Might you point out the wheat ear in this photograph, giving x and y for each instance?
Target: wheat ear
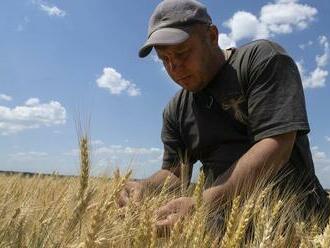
(231, 222)
(198, 192)
(326, 237)
(198, 197)
(239, 234)
(84, 165)
(300, 228)
(78, 212)
(266, 241)
(103, 209)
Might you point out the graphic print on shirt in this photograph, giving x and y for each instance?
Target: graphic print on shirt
(235, 106)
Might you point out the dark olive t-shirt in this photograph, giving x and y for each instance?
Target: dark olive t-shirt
(256, 94)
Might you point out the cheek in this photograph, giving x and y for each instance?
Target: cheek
(196, 69)
(192, 66)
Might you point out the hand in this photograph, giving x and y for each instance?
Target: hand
(133, 190)
(172, 212)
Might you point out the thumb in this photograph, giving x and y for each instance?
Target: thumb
(169, 221)
(137, 195)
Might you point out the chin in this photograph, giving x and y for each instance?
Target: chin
(191, 89)
(190, 86)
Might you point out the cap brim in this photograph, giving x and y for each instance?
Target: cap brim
(164, 36)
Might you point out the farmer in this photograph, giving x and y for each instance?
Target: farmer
(239, 111)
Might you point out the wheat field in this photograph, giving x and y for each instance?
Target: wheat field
(53, 211)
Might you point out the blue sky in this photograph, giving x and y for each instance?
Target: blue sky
(61, 61)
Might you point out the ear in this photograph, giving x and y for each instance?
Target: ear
(214, 35)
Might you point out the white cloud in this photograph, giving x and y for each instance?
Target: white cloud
(118, 149)
(323, 59)
(97, 142)
(28, 156)
(158, 61)
(321, 161)
(317, 154)
(245, 25)
(305, 45)
(32, 114)
(32, 102)
(133, 91)
(225, 41)
(142, 160)
(112, 150)
(317, 77)
(313, 79)
(52, 10)
(322, 165)
(281, 17)
(285, 16)
(5, 97)
(116, 84)
(327, 138)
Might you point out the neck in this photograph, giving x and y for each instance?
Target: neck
(218, 61)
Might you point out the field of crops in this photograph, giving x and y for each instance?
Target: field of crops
(82, 211)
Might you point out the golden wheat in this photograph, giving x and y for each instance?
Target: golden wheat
(45, 211)
(52, 217)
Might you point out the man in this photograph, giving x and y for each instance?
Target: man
(240, 110)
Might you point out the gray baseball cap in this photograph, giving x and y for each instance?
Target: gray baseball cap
(171, 23)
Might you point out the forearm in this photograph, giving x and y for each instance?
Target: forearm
(267, 157)
(157, 180)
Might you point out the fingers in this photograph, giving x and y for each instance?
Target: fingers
(166, 217)
(132, 191)
(123, 198)
(137, 196)
(169, 221)
(164, 226)
(164, 211)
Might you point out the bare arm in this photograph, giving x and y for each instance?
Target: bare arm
(158, 179)
(269, 153)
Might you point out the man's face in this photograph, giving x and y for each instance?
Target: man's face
(188, 63)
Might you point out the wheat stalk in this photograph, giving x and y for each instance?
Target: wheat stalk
(76, 217)
(231, 221)
(198, 192)
(44, 212)
(300, 228)
(326, 236)
(84, 165)
(239, 234)
(266, 241)
(175, 234)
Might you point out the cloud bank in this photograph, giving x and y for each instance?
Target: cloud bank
(33, 114)
(316, 78)
(280, 17)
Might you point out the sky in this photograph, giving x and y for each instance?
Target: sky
(65, 64)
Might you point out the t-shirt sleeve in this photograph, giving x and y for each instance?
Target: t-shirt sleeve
(276, 102)
(174, 148)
